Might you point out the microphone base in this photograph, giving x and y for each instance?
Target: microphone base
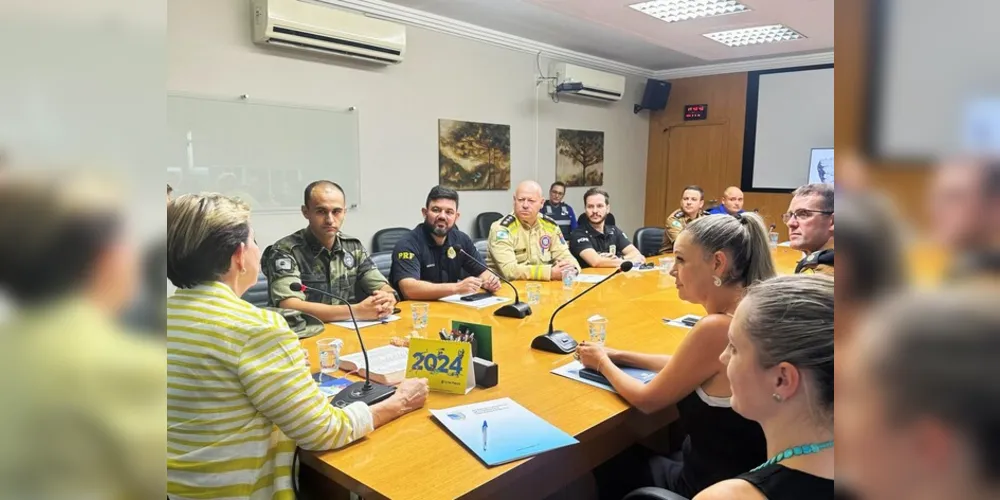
(556, 341)
(518, 310)
(356, 392)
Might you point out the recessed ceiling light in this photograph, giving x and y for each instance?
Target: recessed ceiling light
(683, 10)
(755, 36)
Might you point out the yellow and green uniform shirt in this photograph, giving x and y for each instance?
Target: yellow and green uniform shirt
(675, 224)
(519, 252)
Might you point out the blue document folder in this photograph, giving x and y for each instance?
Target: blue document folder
(500, 430)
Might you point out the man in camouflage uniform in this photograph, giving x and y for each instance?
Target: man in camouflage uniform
(323, 258)
(810, 227)
(526, 245)
(692, 201)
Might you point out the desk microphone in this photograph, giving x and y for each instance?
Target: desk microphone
(558, 341)
(366, 392)
(516, 310)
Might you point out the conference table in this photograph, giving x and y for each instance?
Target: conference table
(414, 457)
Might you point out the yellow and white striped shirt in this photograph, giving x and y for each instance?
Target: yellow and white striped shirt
(239, 398)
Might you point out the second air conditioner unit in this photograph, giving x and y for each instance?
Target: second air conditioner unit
(586, 82)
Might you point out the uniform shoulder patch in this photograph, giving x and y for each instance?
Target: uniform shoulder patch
(678, 214)
(507, 220)
(676, 223)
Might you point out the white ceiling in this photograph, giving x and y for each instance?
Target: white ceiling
(609, 29)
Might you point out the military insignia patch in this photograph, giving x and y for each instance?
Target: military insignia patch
(562, 239)
(451, 252)
(283, 264)
(545, 242)
(348, 260)
(676, 223)
(502, 234)
(612, 249)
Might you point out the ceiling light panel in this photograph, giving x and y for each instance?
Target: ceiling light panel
(756, 35)
(684, 10)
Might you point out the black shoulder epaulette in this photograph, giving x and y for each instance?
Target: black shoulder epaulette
(507, 220)
(824, 257)
(678, 214)
(705, 212)
(547, 218)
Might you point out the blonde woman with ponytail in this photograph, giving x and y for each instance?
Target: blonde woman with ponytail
(716, 258)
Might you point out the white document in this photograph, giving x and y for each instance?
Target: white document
(388, 363)
(479, 304)
(679, 322)
(589, 278)
(363, 324)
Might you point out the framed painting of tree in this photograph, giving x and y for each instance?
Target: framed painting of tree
(580, 157)
(473, 156)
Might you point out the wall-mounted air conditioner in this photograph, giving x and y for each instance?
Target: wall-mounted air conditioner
(587, 82)
(306, 26)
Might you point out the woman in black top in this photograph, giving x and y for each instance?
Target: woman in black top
(716, 258)
(780, 366)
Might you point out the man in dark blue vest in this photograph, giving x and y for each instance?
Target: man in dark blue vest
(558, 211)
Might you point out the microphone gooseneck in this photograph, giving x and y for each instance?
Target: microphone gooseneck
(624, 268)
(517, 299)
(299, 287)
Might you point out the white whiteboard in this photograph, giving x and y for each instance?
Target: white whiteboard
(264, 153)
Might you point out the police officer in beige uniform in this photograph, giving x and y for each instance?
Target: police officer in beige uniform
(810, 227)
(692, 201)
(323, 258)
(526, 245)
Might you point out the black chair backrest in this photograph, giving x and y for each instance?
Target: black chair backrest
(483, 223)
(258, 294)
(385, 239)
(383, 262)
(483, 248)
(648, 240)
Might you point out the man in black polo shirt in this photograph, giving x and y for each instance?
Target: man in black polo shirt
(428, 263)
(597, 244)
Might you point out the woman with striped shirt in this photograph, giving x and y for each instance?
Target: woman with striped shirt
(239, 396)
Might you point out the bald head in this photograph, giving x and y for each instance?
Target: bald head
(528, 202)
(732, 199)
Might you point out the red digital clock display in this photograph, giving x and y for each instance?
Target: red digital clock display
(695, 112)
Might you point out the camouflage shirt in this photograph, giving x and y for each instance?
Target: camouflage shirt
(301, 258)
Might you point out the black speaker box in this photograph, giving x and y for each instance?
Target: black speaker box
(655, 96)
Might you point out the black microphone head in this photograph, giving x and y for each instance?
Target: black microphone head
(296, 287)
(626, 266)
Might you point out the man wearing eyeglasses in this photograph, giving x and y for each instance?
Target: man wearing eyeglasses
(810, 227)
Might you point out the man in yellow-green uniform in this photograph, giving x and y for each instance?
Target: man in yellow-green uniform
(525, 245)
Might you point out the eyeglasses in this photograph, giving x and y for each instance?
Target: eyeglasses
(802, 215)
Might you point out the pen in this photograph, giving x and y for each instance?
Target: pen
(485, 428)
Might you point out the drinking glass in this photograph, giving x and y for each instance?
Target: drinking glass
(568, 277)
(666, 264)
(534, 292)
(329, 355)
(598, 327)
(419, 312)
(772, 239)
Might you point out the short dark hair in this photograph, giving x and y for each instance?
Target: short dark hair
(694, 187)
(558, 183)
(315, 184)
(592, 191)
(441, 193)
(824, 191)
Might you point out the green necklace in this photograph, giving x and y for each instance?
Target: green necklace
(806, 449)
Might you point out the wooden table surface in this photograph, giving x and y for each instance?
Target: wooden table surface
(416, 458)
